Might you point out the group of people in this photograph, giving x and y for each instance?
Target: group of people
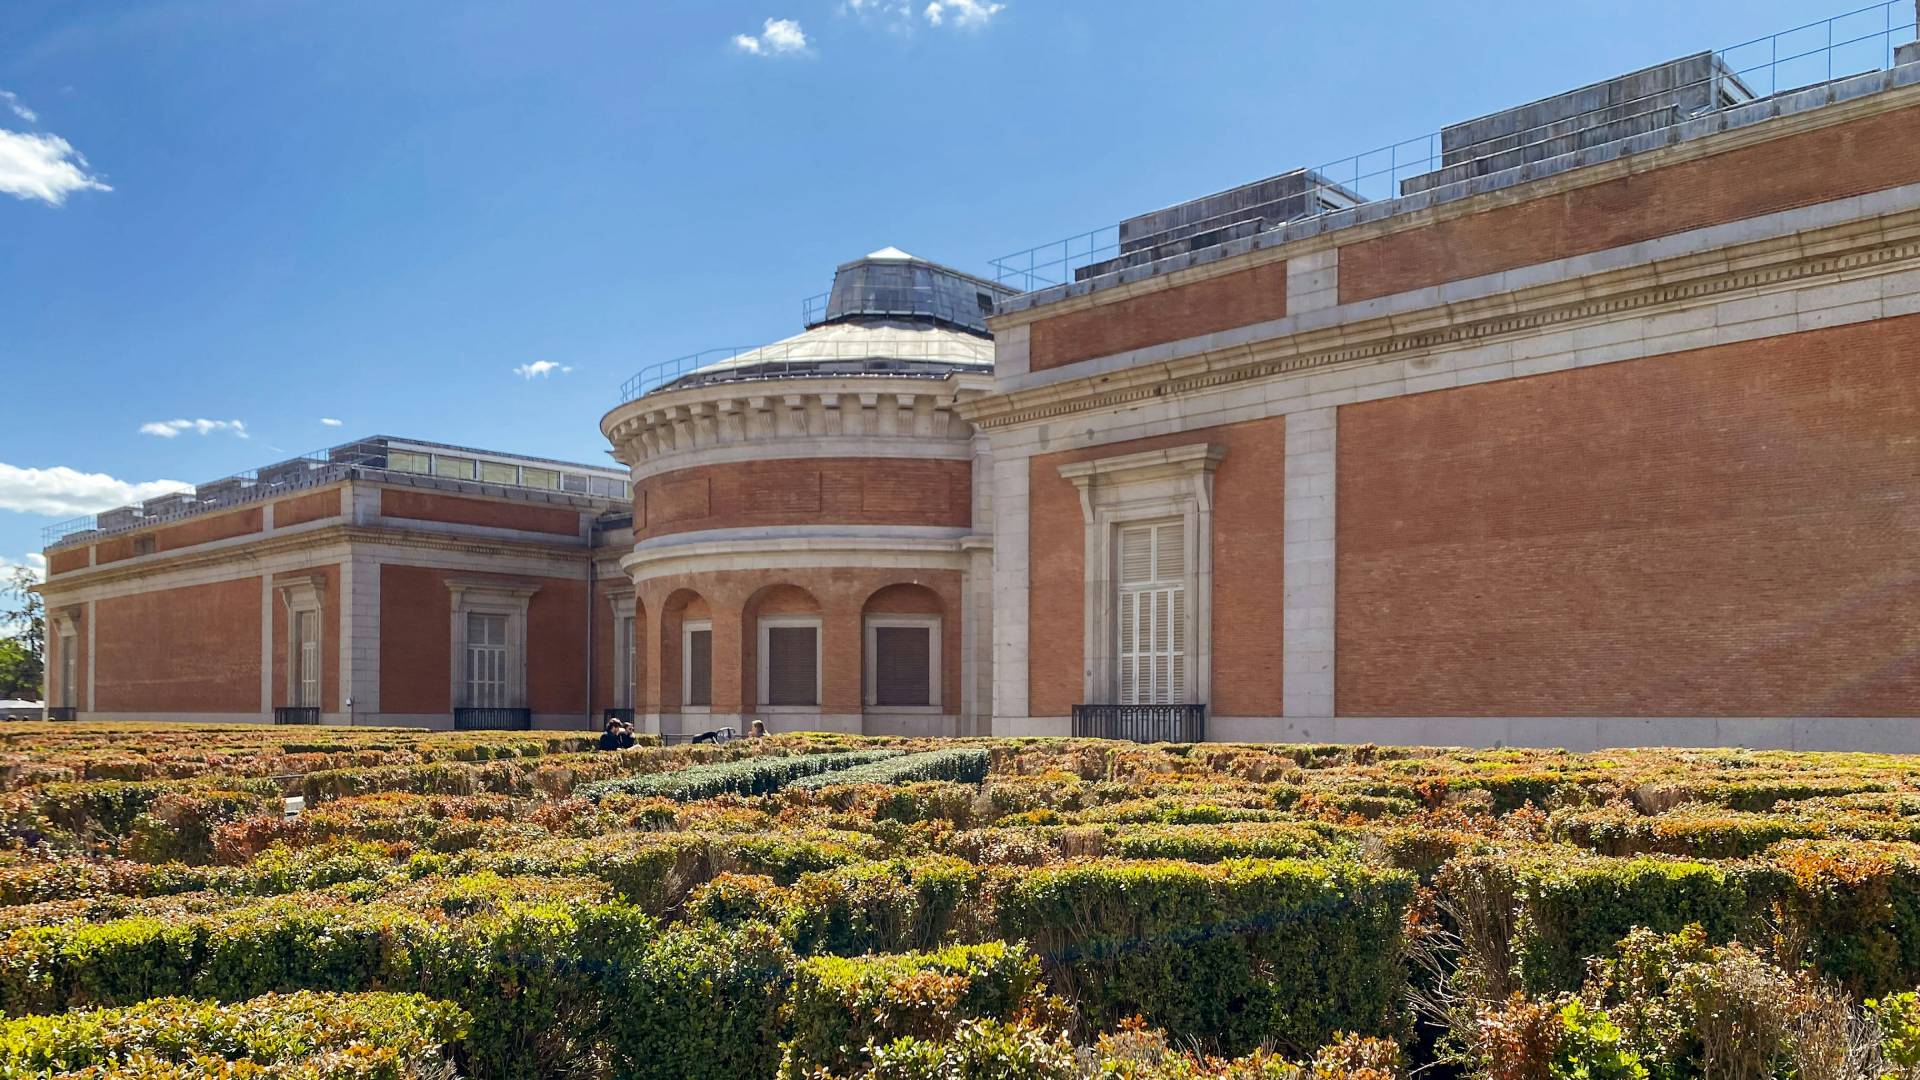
(619, 734)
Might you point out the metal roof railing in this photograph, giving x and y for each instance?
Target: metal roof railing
(1851, 43)
(805, 359)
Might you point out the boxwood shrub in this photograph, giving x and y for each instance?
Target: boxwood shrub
(746, 776)
(967, 765)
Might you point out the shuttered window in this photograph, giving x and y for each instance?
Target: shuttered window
(1152, 614)
(902, 665)
(699, 668)
(792, 665)
(306, 659)
(69, 670)
(487, 662)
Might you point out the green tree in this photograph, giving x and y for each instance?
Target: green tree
(23, 652)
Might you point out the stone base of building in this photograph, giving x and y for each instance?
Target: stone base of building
(1868, 734)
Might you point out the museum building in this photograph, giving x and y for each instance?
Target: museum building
(1598, 424)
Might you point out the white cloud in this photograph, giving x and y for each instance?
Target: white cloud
(962, 12)
(168, 429)
(329, 421)
(35, 565)
(44, 167)
(64, 492)
(17, 107)
(777, 36)
(541, 369)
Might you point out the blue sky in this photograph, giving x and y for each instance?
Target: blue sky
(253, 216)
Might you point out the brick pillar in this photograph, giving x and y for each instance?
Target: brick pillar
(1308, 644)
(733, 658)
(842, 689)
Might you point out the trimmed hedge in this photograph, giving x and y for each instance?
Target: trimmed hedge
(837, 1007)
(965, 765)
(746, 776)
(1237, 953)
(303, 1036)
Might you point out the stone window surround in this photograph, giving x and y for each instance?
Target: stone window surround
(625, 667)
(767, 623)
(870, 662)
(298, 596)
(489, 596)
(1155, 485)
(689, 627)
(66, 630)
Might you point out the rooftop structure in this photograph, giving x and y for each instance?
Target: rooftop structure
(1694, 96)
(889, 313)
(377, 454)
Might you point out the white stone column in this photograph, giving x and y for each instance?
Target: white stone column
(1310, 550)
(266, 646)
(360, 636)
(1313, 281)
(1010, 584)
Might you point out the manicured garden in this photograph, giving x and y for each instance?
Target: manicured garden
(517, 905)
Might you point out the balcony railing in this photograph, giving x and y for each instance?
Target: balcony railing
(62, 712)
(493, 719)
(296, 714)
(1141, 723)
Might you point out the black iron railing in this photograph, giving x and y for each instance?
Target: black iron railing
(296, 714)
(1141, 723)
(62, 712)
(493, 719)
(625, 716)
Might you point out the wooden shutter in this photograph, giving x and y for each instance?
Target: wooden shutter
(792, 662)
(699, 689)
(1151, 614)
(902, 665)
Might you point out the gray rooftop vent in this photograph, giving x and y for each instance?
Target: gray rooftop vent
(893, 284)
(163, 505)
(1619, 108)
(120, 517)
(1221, 217)
(231, 489)
(284, 473)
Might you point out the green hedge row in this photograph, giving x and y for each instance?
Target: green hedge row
(745, 776)
(1237, 953)
(965, 765)
(302, 1036)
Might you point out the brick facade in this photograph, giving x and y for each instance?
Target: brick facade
(817, 491)
(194, 649)
(1219, 303)
(486, 513)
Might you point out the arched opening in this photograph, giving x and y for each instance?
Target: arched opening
(903, 632)
(781, 640)
(686, 653)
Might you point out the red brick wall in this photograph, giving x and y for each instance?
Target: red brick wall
(814, 491)
(329, 634)
(1257, 294)
(191, 649)
(198, 530)
(452, 509)
(312, 506)
(62, 562)
(1723, 532)
(416, 641)
(1248, 493)
(1879, 151)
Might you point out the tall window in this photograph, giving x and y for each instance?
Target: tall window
(69, 670)
(903, 661)
(790, 661)
(1152, 610)
(696, 664)
(623, 661)
(305, 648)
(487, 661)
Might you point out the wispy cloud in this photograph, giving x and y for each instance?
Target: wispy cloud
(962, 12)
(44, 167)
(17, 107)
(541, 369)
(64, 492)
(168, 429)
(777, 37)
(328, 421)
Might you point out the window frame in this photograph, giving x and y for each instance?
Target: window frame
(489, 596)
(763, 658)
(870, 662)
(688, 628)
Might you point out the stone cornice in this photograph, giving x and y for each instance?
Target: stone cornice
(872, 408)
(271, 544)
(1269, 247)
(1857, 248)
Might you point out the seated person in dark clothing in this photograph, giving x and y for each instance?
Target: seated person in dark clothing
(626, 736)
(610, 738)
